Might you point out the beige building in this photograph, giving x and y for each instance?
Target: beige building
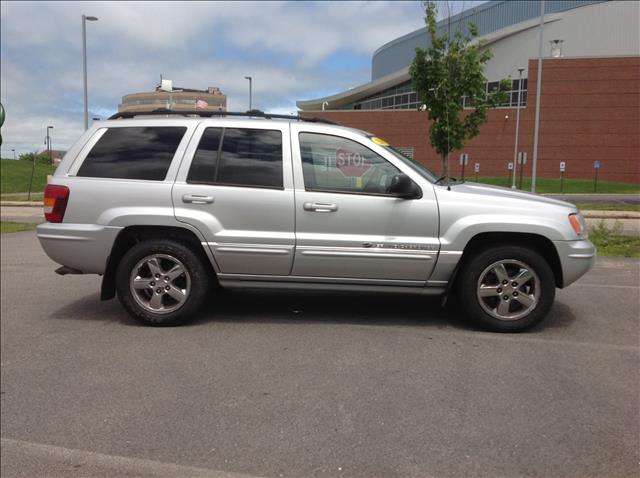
(178, 99)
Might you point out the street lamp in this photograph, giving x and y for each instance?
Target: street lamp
(515, 149)
(250, 93)
(85, 19)
(48, 142)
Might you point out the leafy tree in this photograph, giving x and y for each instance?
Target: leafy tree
(444, 74)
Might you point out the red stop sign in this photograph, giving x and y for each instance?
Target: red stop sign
(351, 163)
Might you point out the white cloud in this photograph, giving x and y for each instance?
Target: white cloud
(289, 49)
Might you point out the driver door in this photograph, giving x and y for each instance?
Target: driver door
(347, 225)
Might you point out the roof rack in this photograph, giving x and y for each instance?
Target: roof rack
(209, 114)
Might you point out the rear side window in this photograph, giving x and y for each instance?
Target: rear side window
(238, 157)
(133, 153)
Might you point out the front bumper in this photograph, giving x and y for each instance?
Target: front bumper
(576, 258)
(84, 247)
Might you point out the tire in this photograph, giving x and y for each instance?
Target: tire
(512, 307)
(162, 282)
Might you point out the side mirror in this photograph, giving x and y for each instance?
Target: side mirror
(403, 187)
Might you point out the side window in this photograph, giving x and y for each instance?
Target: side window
(203, 166)
(133, 153)
(246, 157)
(332, 163)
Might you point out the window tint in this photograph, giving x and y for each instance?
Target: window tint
(248, 157)
(331, 163)
(203, 166)
(133, 153)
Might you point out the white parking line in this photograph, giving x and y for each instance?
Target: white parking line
(104, 465)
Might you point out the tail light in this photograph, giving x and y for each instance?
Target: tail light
(55, 202)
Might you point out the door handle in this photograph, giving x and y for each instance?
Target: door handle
(197, 199)
(319, 207)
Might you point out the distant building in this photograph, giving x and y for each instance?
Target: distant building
(178, 99)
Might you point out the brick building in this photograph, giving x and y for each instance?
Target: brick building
(590, 100)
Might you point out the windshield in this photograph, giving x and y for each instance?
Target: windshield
(416, 166)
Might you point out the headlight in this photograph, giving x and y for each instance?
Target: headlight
(577, 223)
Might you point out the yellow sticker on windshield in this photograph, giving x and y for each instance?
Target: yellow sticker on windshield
(379, 141)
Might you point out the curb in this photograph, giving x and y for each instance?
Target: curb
(22, 203)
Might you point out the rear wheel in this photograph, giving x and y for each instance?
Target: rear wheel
(162, 282)
(507, 289)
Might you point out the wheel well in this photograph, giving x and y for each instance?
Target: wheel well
(130, 236)
(538, 243)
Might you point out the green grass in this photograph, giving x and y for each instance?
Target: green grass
(571, 186)
(6, 226)
(610, 242)
(14, 176)
(585, 206)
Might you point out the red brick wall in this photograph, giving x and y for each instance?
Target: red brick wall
(590, 110)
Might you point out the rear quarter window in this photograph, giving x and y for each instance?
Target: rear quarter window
(133, 153)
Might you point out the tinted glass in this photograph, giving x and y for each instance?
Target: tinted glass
(203, 166)
(133, 153)
(332, 163)
(251, 157)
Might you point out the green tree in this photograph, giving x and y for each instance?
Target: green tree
(446, 73)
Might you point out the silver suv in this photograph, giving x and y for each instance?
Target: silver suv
(169, 208)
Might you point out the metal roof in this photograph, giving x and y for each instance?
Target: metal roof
(488, 17)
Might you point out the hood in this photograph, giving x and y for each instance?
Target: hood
(498, 192)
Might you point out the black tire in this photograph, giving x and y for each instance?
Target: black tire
(481, 264)
(197, 274)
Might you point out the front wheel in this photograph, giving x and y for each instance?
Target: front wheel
(507, 289)
(162, 282)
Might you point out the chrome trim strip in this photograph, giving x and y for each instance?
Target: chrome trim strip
(252, 250)
(371, 255)
(57, 237)
(582, 256)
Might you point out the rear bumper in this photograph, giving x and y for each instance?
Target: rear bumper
(84, 247)
(576, 258)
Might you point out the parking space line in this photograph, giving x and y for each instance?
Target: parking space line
(13, 450)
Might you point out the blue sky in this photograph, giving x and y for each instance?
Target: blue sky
(293, 50)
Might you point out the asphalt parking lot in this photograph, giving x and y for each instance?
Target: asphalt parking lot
(281, 384)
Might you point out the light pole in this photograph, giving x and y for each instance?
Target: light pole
(536, 128)
(250, 92)
(515, 149)
(48, 140)
(85, 19)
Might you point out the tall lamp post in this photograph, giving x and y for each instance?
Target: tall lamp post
(536, 127)
(85, 19)
(515, 149)
(250, 92)
(48, 143)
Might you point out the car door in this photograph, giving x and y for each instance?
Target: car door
(347, 225)
(235, 186)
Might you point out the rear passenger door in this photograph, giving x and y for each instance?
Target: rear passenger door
(235, 186)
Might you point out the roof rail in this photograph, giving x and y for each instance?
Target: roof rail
(209, 114)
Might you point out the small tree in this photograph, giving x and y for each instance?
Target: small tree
(446, 73)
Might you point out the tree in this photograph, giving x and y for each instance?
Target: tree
(447, 75)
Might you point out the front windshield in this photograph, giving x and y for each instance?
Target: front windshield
(421, 169)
